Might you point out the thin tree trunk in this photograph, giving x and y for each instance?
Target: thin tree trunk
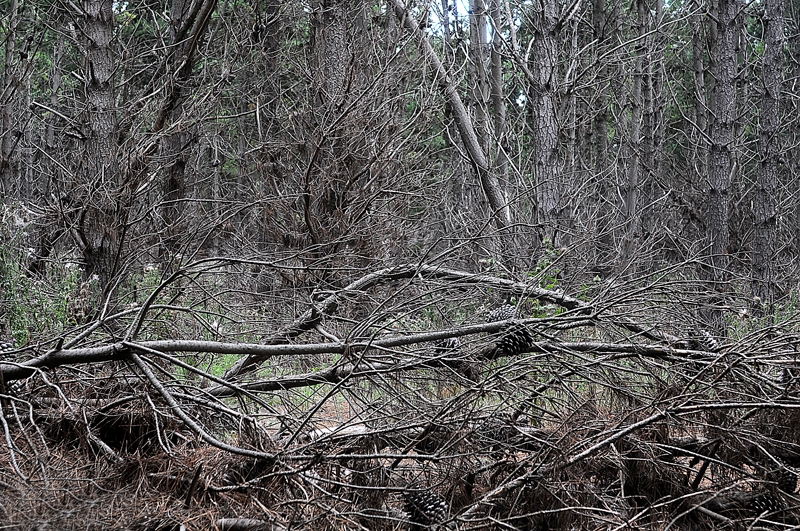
(769, 147)
(652, 120)
(497, 94)
(459, 171)
(52, 230)
(600, 148)
(572, 106)
(600, 125)
(480, 81)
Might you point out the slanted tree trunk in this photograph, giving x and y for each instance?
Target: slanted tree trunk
(769, 148)
(489, 182)
(720, 167)
(188, 23)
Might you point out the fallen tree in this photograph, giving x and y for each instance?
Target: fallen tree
(570, 413)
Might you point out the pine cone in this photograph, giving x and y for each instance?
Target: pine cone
(751, 503)
(787, 376)
(447, 345)
(702, 339)
(5, 351)
(516, 339)
(502, 313)
(785, 477)
(425, 509)
(765, 502)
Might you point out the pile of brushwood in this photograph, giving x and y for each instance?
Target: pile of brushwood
(394, 403)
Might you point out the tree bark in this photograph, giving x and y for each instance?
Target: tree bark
(101, 225)
(544, 125)
(174, 182)
(11, 85)
(769, 147)
(480, 79)
(605, 219)
(325, 185)
(699, 128)
(498, 95)
(720, 167)
(652, 119)
(329, 34)
(188, 22)
(459, 171)
(600, 124)
(631, 218)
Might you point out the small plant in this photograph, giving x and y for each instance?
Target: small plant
(546, 269)
(42, 305)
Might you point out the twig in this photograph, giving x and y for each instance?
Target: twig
(188, 421)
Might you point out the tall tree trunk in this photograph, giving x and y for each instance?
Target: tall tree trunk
(8, 100)
(720, 167)
(101, 222)
(174, 180)
(460, 172)
(325, 183)
(188, 23)
(600, 124)
(769, 147)
(480, 79)
(652, 119)
(599, 149)
(52, 229)
(700, 112)
(329, 34)
(497, 94)
(631, 218)
(544, 125)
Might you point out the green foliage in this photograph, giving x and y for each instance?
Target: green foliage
(42, 305)
(547, 270)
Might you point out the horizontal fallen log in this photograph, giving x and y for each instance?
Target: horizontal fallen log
(121, 351)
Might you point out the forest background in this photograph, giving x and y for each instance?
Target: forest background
(261, 236)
